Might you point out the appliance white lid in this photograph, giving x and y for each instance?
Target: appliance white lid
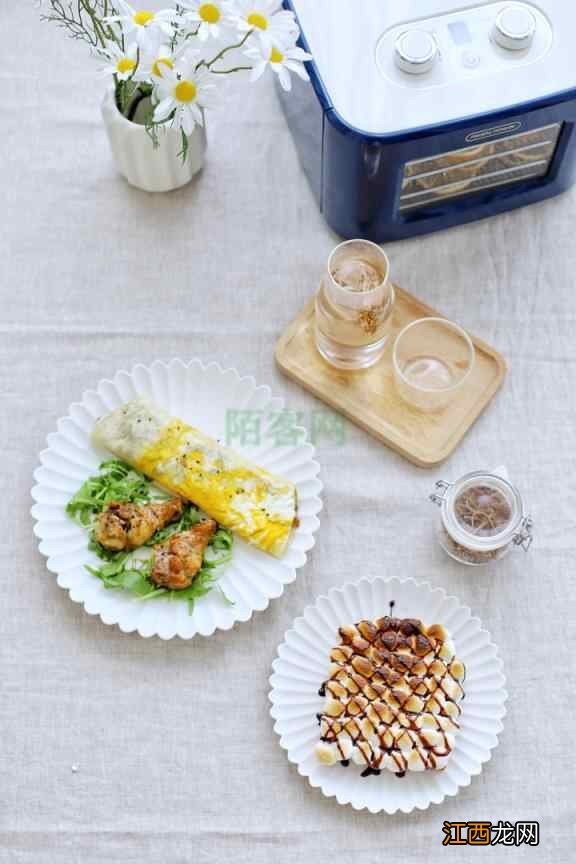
(355, 49)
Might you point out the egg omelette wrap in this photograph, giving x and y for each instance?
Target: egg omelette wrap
(257, 505)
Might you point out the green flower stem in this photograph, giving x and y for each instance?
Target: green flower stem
(83, 7)
(83, 20)
(224, 51)
(138, 98)
(97, 24)
(129, 94)
(231, 71)
(64, 19)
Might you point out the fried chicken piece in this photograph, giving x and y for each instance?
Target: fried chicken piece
(177, 561)
(123, 527)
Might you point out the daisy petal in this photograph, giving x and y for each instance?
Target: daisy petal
(162, 111)
(298, 69)
(187, 122)
(257, 71)
(284, 77)
(197, 114)
(300, 54)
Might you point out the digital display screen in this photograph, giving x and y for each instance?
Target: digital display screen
(460, 32)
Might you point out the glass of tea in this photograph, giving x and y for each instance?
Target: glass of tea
(433, 359)
(353, 306)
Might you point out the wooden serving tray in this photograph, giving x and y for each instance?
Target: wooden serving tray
(369, 398)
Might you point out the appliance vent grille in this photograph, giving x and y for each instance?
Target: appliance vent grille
(484, 166)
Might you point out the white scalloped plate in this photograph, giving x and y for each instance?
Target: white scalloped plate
(200, 394)
(302, 665)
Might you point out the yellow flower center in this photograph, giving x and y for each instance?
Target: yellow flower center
(142, 19)
(125, 64)
(210, 13)
(276, 56)
(161, 61)
(255, 19)
(185, 91)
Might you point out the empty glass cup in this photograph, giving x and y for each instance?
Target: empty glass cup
(432, 359)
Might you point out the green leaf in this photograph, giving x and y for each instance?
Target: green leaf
(129, 571)
(116, 481)
(191, 516)
(224, 596)
(183, 152)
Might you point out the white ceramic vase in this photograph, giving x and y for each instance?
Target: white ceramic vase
(152, 169)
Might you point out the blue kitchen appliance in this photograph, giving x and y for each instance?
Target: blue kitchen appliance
(425, 114)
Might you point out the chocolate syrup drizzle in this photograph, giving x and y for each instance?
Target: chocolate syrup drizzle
(368, 656)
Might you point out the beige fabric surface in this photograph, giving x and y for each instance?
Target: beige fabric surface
(175, 753)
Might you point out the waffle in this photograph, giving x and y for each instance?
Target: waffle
(392, 697)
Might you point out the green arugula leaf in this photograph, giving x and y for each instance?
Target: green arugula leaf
(133, 575)
(116, 481)
(128, 571)
(191, 516)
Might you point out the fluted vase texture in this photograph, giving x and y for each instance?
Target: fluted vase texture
(159, 169)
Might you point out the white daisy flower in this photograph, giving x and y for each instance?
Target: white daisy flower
(186, 92)
(282, 61)
(120, 63)
(208, 18)
(148, 28)
(264, 18)
(153, 66)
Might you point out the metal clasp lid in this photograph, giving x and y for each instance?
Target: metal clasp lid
(442, 488)
(524, 537)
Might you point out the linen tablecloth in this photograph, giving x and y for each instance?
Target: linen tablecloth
(115, 748)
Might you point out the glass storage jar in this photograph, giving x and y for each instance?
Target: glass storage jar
(482, 518)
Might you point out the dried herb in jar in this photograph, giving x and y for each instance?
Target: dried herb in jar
(482, 510)
(469, 556)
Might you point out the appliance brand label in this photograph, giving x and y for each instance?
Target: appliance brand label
(483, 134)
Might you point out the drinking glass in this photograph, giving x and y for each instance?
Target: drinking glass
(433, 359)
